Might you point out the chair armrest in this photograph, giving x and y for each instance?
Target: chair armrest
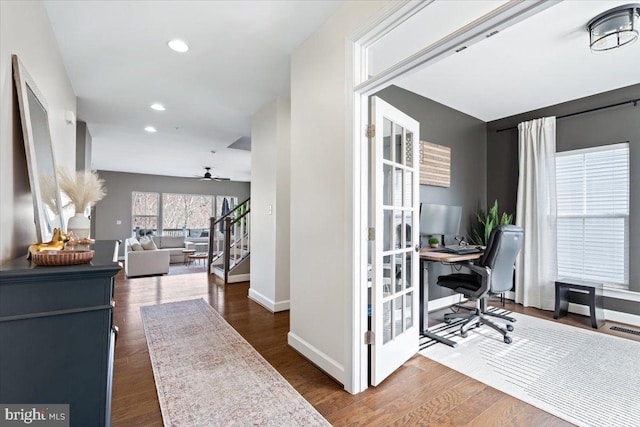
(485, 273)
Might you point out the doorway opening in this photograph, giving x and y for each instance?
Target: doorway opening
(367, 308)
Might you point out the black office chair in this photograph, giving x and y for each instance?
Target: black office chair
(492, 275)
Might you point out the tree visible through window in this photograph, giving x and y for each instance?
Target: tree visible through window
(144, 211)
(190, 211)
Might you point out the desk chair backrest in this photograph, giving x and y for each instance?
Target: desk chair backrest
(500, 255)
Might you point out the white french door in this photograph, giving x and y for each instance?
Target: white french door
(395, 205)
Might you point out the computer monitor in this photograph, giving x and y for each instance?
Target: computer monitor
(440, 219)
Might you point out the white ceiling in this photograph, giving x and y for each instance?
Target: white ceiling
(541, 61)
(118, 63)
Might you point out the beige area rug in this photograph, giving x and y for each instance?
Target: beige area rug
(207, 375)
(584, 377)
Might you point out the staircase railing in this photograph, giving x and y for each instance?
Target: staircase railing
(235, 244)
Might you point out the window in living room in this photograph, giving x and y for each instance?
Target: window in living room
(186, 211)
(593, 214)
(144, 213)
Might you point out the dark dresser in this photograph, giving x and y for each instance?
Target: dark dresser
(57, 336)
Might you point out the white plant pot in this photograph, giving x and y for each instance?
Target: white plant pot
(80, 225)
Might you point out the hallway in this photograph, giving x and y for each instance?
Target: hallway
(420, 392)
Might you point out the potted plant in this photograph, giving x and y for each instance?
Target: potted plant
(487, 222)
(434, 242)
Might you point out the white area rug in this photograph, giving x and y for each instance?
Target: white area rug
(207, 375)
(584, 377)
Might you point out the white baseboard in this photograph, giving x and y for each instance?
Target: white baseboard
(237, 278)
(320, 359)
(233, 278)
(267, 303)
(614, 316)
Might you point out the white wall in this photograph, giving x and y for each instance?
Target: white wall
(321, 270)
(25, 30)
(270, 140)
(283, 204)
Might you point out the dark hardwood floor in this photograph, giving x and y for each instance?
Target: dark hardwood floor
(421, 392)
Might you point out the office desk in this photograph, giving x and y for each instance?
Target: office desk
(428, 255)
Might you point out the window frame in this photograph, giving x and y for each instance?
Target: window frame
(585, 215)
(211, 197)
(133, 215)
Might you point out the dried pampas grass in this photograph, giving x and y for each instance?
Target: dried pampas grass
(84, 188)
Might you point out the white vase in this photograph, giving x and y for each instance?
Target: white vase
(80, 225)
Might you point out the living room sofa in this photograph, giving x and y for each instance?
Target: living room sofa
(144, 262)
(174, 245)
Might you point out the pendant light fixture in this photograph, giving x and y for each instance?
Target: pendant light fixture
(614, 28)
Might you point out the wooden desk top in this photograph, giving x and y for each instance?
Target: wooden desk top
(429, 255)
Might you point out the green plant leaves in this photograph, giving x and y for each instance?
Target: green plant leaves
(481, 231)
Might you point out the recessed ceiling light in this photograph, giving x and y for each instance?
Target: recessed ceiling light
(157, 107)
(178, 45)
(150, 129)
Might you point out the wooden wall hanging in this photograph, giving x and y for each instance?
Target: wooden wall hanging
(435, 164)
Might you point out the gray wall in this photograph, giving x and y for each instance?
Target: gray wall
(83, 147)
(116, 206)
(466, 136)
(593, 129)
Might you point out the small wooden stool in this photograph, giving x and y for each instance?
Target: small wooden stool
(594, 291)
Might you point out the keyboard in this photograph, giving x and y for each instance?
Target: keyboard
(459, 251)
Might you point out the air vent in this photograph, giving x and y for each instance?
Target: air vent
(460, 49)
(492, 33)
(626, 330)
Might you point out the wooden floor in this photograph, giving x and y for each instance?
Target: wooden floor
(421, 392)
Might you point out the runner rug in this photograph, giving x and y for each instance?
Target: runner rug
(584, 377)
(206, 374)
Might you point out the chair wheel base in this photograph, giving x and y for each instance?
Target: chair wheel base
(508, 340)
(463, 334)
(509, 328)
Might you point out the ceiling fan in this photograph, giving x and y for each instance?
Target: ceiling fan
(208, 177)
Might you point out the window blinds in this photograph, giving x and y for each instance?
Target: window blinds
(592, 188)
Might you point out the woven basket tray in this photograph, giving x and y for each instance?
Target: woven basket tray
(61, 257)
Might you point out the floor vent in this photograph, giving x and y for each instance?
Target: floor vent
(629, 331)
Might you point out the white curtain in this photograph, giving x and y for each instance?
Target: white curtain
(536, 267)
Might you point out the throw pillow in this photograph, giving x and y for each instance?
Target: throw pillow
(148, 245)
(135, 245)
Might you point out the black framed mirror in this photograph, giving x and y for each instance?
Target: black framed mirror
(47, 200)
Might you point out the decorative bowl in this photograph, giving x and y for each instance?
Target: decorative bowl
(65, 257)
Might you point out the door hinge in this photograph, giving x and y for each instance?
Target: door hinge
(371, 131)
(369, 338)
(371, 234)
